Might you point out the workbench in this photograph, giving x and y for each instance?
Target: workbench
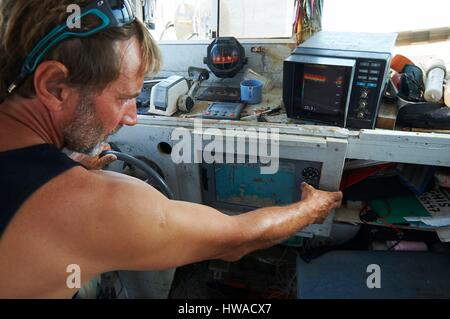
(330, 145)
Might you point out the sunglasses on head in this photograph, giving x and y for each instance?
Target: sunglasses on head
(110, 13)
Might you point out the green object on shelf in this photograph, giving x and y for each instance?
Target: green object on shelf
(394, 209)
(294, 241)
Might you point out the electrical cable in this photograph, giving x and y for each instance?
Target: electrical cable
(366, 216)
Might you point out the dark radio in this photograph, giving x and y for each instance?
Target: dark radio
(338, 79)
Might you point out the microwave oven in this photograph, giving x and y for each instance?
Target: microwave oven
(338, 78)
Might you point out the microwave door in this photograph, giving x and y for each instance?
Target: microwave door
(349, 91)
(325, 85)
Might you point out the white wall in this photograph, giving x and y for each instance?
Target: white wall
(178, 57)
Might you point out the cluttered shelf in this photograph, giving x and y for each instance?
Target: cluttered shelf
(388, 109)
(270, 110)
(398, 144)
(396, 195)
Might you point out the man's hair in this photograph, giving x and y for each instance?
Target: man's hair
(93, 62)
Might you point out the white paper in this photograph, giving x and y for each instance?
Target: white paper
(438, 206)
(431, 221)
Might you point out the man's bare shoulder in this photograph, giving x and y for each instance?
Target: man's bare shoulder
(97, 190)
(105, 209)
(79, 201)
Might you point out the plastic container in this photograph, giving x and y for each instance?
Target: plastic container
(398, 63)
(434, 84)
(251, 91)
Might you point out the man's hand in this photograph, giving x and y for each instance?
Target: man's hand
(319, 203)
(94, 162)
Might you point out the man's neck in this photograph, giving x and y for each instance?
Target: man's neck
(26, 122)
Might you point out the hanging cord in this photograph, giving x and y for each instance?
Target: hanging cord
(367, 216)
(308, 18)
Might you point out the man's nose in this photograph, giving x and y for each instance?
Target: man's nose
(130, 115)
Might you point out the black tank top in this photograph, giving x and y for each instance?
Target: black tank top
(25, 170)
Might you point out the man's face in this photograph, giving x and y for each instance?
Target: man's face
(99, 115)
(86, 132)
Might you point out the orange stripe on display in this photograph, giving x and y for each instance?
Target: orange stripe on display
(315, 77)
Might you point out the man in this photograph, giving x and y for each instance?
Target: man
(61, 91)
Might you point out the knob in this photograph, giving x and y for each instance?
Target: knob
(360, 115)
(362, 104)
(364, 94)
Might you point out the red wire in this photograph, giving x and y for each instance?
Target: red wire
(398, 231)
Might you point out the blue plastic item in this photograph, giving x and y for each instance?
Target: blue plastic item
(251, 91)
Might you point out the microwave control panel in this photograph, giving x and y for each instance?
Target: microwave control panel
(368, 84)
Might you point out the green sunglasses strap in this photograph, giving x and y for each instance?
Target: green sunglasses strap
(55, 36)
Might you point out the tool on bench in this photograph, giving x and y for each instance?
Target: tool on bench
(259, 113)
(196, 76)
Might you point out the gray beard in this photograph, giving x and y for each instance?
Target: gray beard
(85, 134)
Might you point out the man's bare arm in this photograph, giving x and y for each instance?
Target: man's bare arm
(272, 225)
(143, 230)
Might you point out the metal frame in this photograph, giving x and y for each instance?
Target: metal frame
(402, 147)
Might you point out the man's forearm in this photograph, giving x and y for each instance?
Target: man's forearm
(266, 227)
(219, 236)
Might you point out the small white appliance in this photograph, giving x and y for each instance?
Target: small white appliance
(165, 94)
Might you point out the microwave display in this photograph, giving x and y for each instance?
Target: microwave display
(322, 89)
(338, 78)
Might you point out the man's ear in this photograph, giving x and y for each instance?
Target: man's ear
(50, 84)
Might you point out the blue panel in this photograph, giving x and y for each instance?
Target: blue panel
(245, 185)
(363, 84)
(343, 274)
